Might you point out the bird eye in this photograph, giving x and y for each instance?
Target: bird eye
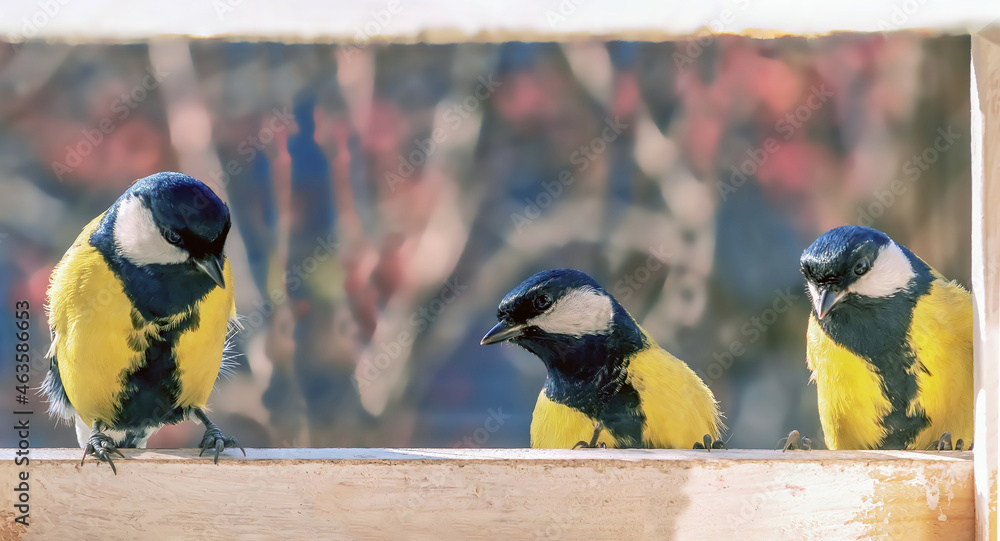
(543, 301)
(862, 267)
(172, 237)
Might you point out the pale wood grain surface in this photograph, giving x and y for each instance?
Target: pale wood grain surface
(408, 21)
(985, 98)
(497, 494)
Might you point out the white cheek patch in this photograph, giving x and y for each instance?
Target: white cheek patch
(139, 240)
(577, 313)
(891, 272)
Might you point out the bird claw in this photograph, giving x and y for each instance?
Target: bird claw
(944, 444)
(586, 445)
(794, 441)
(707, 443)
(215, 440)
(593, 443)
(102, 447)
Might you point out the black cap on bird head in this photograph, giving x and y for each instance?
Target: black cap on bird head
(172, 219)
(854, 261)
(557, 314)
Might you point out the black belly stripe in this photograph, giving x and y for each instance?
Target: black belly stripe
(151, 389)
(133, 438)
(900, 387)
(616, 406)
(623, 416)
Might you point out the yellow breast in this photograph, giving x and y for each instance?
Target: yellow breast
(851, 401)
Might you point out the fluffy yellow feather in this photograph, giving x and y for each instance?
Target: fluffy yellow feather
(849, 390)
(941, 337)
(678, 406)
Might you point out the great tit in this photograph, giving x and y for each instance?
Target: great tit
(889, 345)
(140, 308)
(608, 381)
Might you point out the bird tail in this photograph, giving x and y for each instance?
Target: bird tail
(52, 389)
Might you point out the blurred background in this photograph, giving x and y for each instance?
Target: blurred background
(385, 198)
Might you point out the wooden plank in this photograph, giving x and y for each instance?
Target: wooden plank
(408, 21)
(496, 494)
(985, 98)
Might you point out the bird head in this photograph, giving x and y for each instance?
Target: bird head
(563, 316)
(854, 262)
(172, 219)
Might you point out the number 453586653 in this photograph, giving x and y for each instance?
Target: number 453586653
(21, 357)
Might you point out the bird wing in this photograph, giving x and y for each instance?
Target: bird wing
(90, 319)
(678, 406)
(941, 337)
(199, 352)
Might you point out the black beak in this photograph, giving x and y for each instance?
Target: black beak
(828, 298)
(212, 266)
(502, 331)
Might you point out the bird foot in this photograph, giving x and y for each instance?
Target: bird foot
(593, 443)
(944, 444)
(707, 443)
(213, 439)
(794, 441)
(102, 447)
